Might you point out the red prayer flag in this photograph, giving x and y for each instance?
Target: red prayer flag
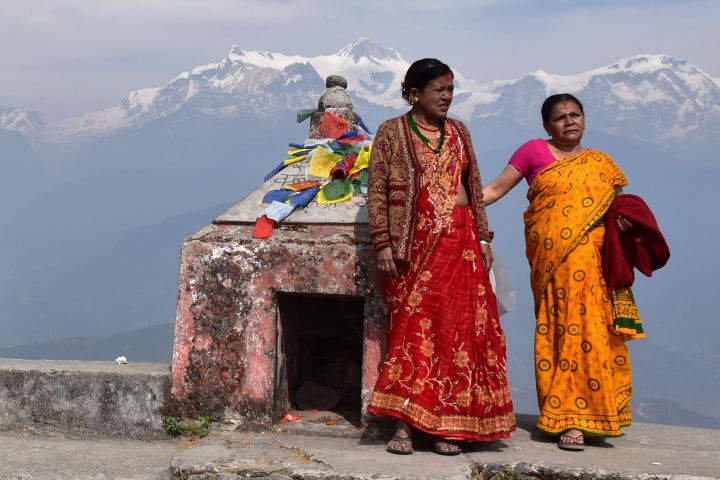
(263, 227)
(333, 126)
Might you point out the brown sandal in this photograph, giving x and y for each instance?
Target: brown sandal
(405, 446)
(443, 447)
(572, 442)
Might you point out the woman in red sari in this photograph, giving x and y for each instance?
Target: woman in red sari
(445, 372)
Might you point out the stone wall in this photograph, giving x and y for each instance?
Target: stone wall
(83, 397)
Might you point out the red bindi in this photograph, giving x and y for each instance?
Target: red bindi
(565, 103)
(448, 77)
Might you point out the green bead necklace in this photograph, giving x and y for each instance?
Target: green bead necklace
(415, 129)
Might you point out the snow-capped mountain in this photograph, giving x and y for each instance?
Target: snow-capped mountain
(21, 120)
(650, 97)
(229, 88)
(255, 83)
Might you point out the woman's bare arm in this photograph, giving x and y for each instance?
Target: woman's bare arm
(505, 182)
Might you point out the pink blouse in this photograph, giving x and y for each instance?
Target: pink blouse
(532, 158)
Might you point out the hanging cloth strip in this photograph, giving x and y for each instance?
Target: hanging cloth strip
(316, 142)
(343, 168)
(363, 160)
(280, 195)
(333, 126)
(263, 227)
(350, 160)
(352, 136)
(349, 134)
(362, 125)
(344, 154)
(284, 164)
(336, 191)
(304, 198)
(305, 113)
(302, 185)
(279, 211)
(360, 181)
(343, 149)
(322, 162)
(298, 152)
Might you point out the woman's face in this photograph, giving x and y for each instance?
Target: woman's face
(435, 98)
(566, 124)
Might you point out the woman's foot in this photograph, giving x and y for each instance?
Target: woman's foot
(401, 442)
(572, 440)
(444, 447)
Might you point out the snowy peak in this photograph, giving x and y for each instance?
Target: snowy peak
(633, 66)
(373, 71)
(365, 48)
(650, 97)
(298, 77)
(648, 63)
(251, 82)
(21, 120)
(276, 61)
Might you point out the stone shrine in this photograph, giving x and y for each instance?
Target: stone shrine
(262, 322)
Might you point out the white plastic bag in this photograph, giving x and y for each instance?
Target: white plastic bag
(501, 286)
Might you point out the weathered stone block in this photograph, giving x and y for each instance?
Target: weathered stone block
(227, 357)
(83, 397)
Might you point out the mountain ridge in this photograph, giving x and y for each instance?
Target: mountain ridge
(19, 119)
(680, 101)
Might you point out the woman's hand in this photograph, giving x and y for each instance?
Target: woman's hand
(623, 224)
(487, 256)
(386, 262)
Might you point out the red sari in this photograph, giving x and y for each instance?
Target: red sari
(445, 371)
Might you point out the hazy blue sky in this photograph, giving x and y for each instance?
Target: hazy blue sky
(66, 57)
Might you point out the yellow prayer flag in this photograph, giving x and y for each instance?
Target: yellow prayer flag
(293, 151)
(292, 160)
(363, 160)
(322, 162)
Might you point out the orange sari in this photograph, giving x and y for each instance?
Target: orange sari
(445, 371)
(582, 370)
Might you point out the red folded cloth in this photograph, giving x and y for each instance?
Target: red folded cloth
(642, 247)
(263, 227)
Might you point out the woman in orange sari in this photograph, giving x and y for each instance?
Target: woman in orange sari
(445, 372)
(582, 367)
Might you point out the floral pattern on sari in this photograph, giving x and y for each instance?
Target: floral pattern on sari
(445, 370)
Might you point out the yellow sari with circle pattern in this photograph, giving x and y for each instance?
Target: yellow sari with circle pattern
(582, 370)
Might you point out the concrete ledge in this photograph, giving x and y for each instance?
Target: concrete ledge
(649, 452)
(83, 397)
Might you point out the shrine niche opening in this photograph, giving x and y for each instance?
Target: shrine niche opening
(320, 353)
